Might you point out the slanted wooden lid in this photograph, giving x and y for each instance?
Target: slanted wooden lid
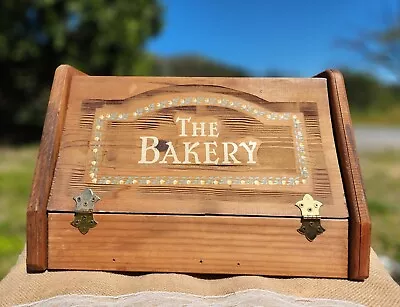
(224, 146)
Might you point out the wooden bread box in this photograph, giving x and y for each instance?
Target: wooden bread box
(199, 175)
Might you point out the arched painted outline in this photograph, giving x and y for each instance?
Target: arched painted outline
(248, 108)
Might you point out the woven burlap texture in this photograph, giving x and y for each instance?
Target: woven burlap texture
(18, 287)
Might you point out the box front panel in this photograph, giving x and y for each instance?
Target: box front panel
(198, 244)
(198, 146)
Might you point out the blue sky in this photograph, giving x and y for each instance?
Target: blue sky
(296, 37)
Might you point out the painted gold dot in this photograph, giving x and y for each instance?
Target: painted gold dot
(231, 103)
(294, 116)
(134, 181)
(120, 116)
(188, 182)
(101, 116)
(194, 100)
(202, 182)
(108, 181)
(170, 103)
(270, 182)
(97, 139)
(94, 180)
(146, 108)
(215, 182)
(98, 127)
(283, 182)
(162, 181)
(91, 175)
(95, 150)
(175, 182)
(121, 181)
(158, 104)
(93, 162)
(255, 111)
(108, 115)
(304, 181)
(229, 182)
(219, 101)
(242, 181)
(148, 181)
(134, 114)
(256, 182)
(206, 100)
(296, 182)
(243, 106)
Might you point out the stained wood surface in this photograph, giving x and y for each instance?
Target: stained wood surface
(360, 224)
(49, 147)
(233, 245)
(118, 146)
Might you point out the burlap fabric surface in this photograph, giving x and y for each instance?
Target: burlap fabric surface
(18, 287)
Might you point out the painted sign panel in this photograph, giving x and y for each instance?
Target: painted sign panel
(170, 142)
(214, 146)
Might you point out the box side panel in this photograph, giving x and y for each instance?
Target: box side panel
(198, 244)
(49, 146)
(359, 224)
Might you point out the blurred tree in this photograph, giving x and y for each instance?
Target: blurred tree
(381, 46)
(96, 36)
(195, 66)
(362, 89)
(276, 73)
(366, 93)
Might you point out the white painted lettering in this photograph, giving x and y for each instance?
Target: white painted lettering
(188, 150)
(214, 129)
(231, 154)
(183, 124)
(170, 153)
(146, 148)
(201, 129)
(249, 150)
(210, 152)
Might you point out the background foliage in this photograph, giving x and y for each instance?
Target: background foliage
(99, 37)
(380, 46)
(107, 37)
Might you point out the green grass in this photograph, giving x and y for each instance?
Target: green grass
(377, 117)
(16, 171)
(381, 172)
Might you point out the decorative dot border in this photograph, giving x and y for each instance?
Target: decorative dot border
(253, 111)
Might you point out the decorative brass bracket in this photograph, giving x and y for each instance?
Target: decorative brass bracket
(83, 219)
(310, 218)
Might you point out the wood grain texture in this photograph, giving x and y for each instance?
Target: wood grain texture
(229, 245)
(36, 260)
(249, 228)
(94, 96)
(360, 224)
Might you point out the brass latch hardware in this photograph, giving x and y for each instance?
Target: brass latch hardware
(83, 219)
(310, 217)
